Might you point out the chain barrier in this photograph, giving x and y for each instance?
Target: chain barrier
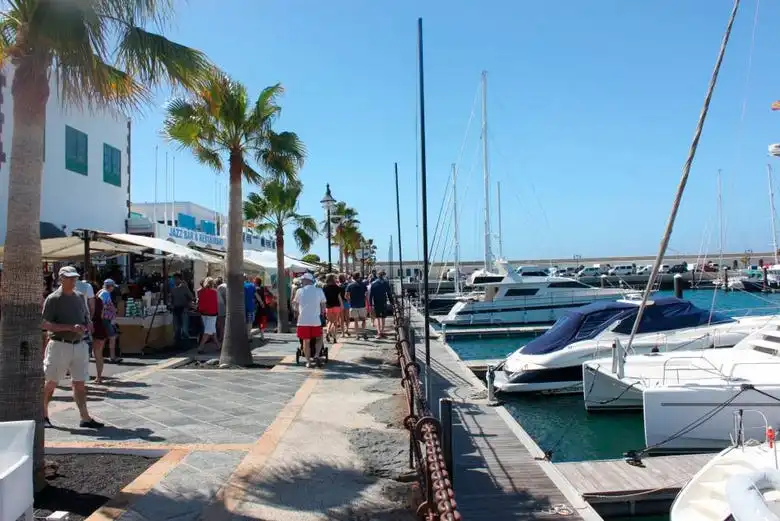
(425, 447)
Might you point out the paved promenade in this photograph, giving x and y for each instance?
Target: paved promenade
(286, 443)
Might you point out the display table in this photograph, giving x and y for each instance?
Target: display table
(134, 332)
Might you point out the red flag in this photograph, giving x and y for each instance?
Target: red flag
(776, 105)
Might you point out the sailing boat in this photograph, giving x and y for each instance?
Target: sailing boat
(443, 303)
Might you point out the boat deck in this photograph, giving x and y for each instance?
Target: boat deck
(498, 469)
(492, 332)
(616, 488)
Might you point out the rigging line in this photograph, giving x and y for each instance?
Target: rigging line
(468, 125)
(444, 200)
(530, 181)
(746, 90)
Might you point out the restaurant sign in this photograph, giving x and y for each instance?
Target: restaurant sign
(199, 238)
(206, 240)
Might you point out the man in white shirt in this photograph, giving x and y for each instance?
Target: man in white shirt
(309, 303)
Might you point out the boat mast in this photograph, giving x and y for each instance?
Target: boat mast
(455, 223)
(685, 173)
(721, 231)
(486, 172)
(772, 210)
(500, 240)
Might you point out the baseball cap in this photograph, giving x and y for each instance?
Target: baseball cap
(109, 282)
(68, 272)
(307, 276)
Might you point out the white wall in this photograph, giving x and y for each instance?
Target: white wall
(69, 198)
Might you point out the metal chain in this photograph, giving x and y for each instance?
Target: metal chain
(424, 431)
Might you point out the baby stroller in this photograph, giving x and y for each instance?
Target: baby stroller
(323, 351)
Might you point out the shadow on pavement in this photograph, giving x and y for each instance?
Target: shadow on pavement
(111, 433)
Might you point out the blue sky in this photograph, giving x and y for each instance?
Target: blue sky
(591, 106)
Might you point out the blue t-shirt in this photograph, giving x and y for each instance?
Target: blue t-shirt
(380, 292)
(357, 294)
(249, 297)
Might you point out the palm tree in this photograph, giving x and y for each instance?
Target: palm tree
(274, 209)
(99, 54)
(352, 239)
(347, 219)
(222, 126)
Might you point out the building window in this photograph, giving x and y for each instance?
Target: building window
(112, 165)
(76, 150)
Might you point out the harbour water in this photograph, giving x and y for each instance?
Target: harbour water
(560, 423)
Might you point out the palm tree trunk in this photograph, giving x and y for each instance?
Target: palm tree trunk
(341, 258)
(21, 351)
(281, 278)
(235, 348)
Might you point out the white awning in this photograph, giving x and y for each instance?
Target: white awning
(267, 260)
(168, 247)
(66, 248)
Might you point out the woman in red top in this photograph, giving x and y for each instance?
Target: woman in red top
(208, 306)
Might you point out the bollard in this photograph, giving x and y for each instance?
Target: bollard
(725, 279)
(491, 390)
(445, 419)
(603, 281)
(678, 286)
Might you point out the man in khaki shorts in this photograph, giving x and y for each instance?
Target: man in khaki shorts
(66, 318)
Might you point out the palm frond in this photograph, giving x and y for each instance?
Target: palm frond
(281, 154)
(156, 60)
(303, 239)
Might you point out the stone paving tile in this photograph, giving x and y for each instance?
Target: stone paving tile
(187, 489)
(183, 406)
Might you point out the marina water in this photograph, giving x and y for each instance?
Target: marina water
(560, 423)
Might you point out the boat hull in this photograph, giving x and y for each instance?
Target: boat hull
(701, 418)
(521, 311)
(604, 391)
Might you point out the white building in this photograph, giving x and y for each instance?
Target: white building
(86, 172)
(189, 224)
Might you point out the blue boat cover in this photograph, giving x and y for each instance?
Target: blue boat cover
(663, 314)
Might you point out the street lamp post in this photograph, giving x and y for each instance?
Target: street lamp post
(328, 203)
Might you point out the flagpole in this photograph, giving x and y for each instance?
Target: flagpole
(165, 204)
(173, 190)
(154, 208)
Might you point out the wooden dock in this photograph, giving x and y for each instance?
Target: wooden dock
(492, 332)
(499, 471)
(615, 488)
(480, 366)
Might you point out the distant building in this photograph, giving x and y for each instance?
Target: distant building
(86, 169)
(189, 224)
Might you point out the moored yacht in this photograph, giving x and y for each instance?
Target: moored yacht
(619, 382)
(696, 413)
(526, 299)
(554, 361)
(741, 483)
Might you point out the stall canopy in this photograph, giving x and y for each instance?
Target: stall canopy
(170, 248)
(66, 248)
(267, 260)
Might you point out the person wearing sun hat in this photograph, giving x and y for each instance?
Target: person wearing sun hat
(66, 318)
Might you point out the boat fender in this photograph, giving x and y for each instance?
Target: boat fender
(745, 498)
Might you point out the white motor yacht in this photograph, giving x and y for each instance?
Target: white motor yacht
(742, 483)
(553, 362)
(520, 299)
